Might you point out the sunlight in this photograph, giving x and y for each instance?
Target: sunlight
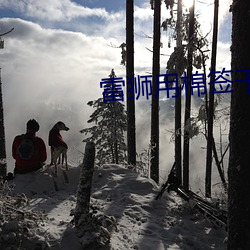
(187, 3)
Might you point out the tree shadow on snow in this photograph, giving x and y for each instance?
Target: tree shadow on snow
(178, 227)
(167, 223)
(124, 190)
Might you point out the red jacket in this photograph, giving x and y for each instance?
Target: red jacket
(55, 139)
(37, 159)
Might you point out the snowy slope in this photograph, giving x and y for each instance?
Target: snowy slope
(141, 221)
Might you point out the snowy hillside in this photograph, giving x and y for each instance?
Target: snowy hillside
(141, 221)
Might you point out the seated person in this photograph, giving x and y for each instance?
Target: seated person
(28, 150)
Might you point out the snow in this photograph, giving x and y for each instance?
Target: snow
(141, 221)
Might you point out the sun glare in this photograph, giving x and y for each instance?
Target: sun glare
(187, 3)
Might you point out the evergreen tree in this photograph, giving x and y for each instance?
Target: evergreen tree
(187, 54)
(108, 132)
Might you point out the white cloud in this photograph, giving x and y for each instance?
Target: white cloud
(143, 12)
(53, 10)
(205, 12)
(51, 73)
(46, 72)
(54, 63)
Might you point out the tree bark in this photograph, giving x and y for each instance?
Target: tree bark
(154, 169)
(188, 99)
(93, 229)
(83, 193)
(239, 160)
(177, 148)
(3, 161)
(131, 131)
(209, 158)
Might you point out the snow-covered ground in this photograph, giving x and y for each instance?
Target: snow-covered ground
(141, 221)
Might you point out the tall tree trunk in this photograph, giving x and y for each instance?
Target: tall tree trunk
(239, 159)
(154, 169)
(115, 128)
(178, 99)
(3, 162)
(209, 158)
(131, 134)
(188, 98)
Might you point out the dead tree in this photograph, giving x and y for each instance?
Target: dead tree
(84, 187)
(93, 229)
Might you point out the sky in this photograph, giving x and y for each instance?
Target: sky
(57, 54)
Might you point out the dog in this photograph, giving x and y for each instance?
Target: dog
(58, 146)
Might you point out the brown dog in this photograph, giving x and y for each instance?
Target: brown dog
(58, 146)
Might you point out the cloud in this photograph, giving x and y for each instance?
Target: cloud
(55, 10)
(50, 75)
(143, 12)
(205, 12)
(52, 66)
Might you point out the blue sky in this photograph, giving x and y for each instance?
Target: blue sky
(59, 51)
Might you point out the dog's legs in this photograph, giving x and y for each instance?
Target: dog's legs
(59, 159)
(55, 158)
(56, 170)
(57, 152)
(51, 156)
(63, 157)
(66, 161)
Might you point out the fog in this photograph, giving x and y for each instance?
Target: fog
(47, 77)
(49, 74)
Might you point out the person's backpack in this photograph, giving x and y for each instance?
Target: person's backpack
(26, 148)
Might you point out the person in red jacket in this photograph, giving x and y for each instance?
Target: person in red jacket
(29, 150)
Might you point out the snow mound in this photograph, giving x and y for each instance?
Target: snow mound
(42, 182)
(141, 221)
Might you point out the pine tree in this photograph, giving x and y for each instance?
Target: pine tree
(108, 132)
(187, 53)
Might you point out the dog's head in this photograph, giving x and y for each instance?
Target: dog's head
(61, 126)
